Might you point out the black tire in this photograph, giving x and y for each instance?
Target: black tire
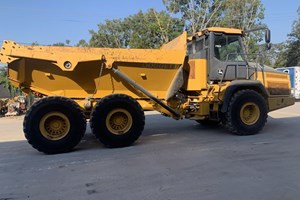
(54, 125)
(247, 113)
(113, 133)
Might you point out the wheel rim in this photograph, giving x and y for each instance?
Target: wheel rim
(54, 125)
(250, 113)
(119, 121)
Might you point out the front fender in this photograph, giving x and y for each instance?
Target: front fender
(237, 85)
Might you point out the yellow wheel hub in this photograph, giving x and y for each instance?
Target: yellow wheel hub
(119, 121)
(249, 113)
(54, 125)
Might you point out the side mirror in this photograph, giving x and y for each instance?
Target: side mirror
(268, 36)
(268, 46)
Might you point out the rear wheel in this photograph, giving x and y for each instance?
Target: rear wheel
(247, 113)
(117, 120)
(54, 125)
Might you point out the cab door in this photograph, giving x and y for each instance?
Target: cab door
(227, 59)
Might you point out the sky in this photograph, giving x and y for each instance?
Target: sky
(51, 21)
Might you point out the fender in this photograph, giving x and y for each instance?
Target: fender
(237, 85)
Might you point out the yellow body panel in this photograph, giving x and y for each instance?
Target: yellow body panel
(278, 87)
(198, 74)
(275, 83)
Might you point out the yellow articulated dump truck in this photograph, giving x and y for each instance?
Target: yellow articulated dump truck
(206, 77)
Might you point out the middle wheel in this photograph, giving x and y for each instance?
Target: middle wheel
(117, 120)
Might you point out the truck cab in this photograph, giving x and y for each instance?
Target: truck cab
(233, 87)
(220, 55)
(223, 50)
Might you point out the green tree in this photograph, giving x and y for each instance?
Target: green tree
(82, 43)
(142, 30)
(3, 74)
(152, 29)
(276, 55)
(113, 33)
(35, 44)
(197, 14)
(293, 44)
(66, 43)
(244, 15)
(289, 54)
(241, 14)
(4, 80)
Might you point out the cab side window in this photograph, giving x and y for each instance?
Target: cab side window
(228, 48)
(196, 48)
(190, 48)
(199, 45)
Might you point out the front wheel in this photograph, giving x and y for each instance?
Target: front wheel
(247, 113)
(117, 120)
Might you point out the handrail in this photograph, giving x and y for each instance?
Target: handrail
(244, 62)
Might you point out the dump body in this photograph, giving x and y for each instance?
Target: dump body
(43, 69)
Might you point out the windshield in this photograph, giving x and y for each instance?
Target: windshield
(228, 48)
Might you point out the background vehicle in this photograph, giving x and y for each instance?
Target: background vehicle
(294, 73)
(205, 77)
(13, 106)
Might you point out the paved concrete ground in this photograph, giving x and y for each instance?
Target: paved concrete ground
(172, 160)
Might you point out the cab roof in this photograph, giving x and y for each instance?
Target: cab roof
(218, 30)
(179, 43)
